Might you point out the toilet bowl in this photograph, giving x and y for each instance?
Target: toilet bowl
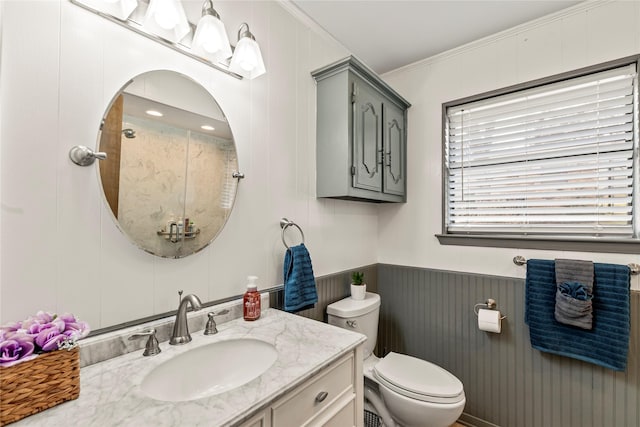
(404, 390)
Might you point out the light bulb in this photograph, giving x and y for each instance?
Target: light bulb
(210, 38)
(166, 15)
(247, 56)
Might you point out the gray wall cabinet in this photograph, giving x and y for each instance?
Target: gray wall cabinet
(361, 135)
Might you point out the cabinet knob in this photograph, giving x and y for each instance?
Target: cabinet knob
(321, 396)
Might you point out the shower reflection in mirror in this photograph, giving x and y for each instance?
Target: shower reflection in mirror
(168, 178)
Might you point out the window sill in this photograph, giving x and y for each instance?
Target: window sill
(576, 244)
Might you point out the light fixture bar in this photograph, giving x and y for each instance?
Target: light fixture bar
(135, 27)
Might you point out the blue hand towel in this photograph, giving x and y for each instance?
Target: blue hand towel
(575, 290)
(607, 344)
(299, 284)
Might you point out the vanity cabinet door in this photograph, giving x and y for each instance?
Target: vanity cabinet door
(394, 150)
(367, 137)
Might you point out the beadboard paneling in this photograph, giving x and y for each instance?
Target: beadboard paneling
(331, 288)
(429, 314)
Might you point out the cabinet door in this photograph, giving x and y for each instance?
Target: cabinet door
(394, 150)
(367, 138)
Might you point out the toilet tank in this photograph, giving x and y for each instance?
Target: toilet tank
(358, 315)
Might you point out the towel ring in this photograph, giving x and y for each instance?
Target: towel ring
(284, 224)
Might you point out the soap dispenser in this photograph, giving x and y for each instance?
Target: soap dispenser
(251, 300)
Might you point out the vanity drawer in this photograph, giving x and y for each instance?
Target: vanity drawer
(344, 417)
(300, 406)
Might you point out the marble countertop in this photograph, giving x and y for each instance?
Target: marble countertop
(110, 393)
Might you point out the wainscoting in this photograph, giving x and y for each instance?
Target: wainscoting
(330, 288)
(429, 314)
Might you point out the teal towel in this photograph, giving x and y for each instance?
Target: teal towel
(607, 344)
(299, 284)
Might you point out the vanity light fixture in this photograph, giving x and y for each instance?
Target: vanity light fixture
(165, 22)
(121, 9)
(167, 19)
(247, 59)
(210, 39)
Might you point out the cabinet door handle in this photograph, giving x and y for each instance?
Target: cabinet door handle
(321, 396)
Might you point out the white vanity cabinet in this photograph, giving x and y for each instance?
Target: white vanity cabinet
(331, 398)
(361, 135)
(313, 358)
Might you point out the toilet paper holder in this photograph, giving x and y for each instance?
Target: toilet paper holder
(490, 303)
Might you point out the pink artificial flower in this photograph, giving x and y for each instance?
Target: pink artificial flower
(68, 318)
(18, 348)
(45, 331)
(41, 321)
(48, 339)
(45, 317)
(9, 329)
(77, 330)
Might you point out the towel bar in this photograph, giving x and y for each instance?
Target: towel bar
(520, 260)
(284, 224)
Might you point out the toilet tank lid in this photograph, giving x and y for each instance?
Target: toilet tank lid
(349, 307)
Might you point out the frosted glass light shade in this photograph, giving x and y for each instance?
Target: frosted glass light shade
(166, 18)
(247, 59)
(211, 40)
(120, 9)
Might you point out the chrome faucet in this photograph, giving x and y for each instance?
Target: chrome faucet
(180, 334)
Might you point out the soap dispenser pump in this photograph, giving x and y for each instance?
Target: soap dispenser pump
(251, 300)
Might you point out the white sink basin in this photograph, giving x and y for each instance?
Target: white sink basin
(208, 370)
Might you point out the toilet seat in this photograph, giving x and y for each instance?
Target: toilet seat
(418, 379)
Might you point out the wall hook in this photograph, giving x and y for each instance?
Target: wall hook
(85, 156)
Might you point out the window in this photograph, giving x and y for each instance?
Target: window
(557, 159)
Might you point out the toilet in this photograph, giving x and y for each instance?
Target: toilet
(403, 390)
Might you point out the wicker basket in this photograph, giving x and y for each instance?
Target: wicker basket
(38, 384)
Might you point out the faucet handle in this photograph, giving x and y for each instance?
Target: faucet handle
(211, 327)
(152, 347)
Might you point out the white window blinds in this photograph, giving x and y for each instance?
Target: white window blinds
(556, 159)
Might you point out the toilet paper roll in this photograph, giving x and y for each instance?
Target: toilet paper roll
(489, 320)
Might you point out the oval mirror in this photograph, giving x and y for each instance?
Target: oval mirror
(168, 177)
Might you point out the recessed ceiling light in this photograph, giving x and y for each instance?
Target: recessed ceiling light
(154, 113)
(207, 127)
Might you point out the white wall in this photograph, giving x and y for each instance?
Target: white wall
(61, 251)
(587, 34)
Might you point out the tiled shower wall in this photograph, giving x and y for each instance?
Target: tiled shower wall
(429, 314)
